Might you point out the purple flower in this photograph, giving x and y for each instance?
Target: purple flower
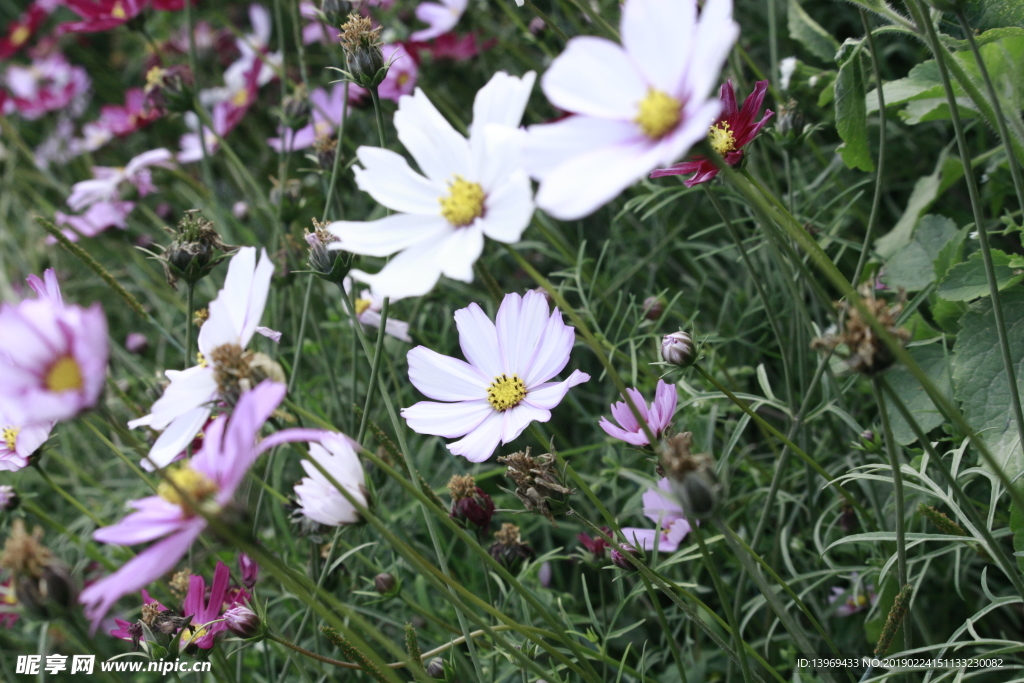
(96, 219)
(506, 383)
(442, 17)
(53, 359)
(136, 342)
(202, 632)
(211, 477)
(663, 510)
(249, 569)
(657, 416)
(857, 598)
(734, 129)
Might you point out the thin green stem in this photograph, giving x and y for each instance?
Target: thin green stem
(723, 597)
(378, 353)
(876, 201)
(189, 313)
(303, 317)
(940, 53)
(67, 496)
(379, 115)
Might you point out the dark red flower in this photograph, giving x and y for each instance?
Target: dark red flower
(734, 129)
(596, 545)
(21, 30)
(100, 15)
(448, 46)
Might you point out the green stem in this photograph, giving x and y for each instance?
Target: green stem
(547, 21)
(723, 598)
(379, 115)
(297, 357)
(877, 199)
(378, 353)
(67, 496)
(940, 53)
(189, 313)
(1004, 132)
(337, 158)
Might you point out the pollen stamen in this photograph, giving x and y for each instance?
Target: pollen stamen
(10, 435)
(721, 138)
(506, 392)
(64, 375)
(659, 114)
(193, 483)
(464, 203)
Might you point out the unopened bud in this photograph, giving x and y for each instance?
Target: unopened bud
(191, 256)
(363, 54)
(619, 554)
(249, 569)
(295, 108)
(470, 503)
(435, 668)
(677, 349)
(653, 307)
(335, 11)
(242, 621)
(386, 584)
(9, 499)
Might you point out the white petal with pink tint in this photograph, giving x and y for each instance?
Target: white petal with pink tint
(444, 378)
(594, 77)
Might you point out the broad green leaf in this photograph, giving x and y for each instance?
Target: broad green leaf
(936, 362)
(983, 14)
(810, 34)
(926, 190)
(979, 382)
(1017, 527)
(851, 115)
(967, 280)
(952, 253)
(912, 266)
(947, 314)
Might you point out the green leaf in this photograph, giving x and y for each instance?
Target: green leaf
(851, 115)
(947, 314)
(985, 14)
(979, 382)
(952, 253)
(967, 280)
(936, 361)
(912, 267)
(810, 34)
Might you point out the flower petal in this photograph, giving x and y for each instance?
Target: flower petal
(479, 444)
(658, 36)
(176, 438)
(552, 351)
(549, 395)
(439, 151)
(479, 340)
(715, 34)
(595, 77)
(387, 177)
(388, 235)
(443, 378)
(460, 251)
(509, 209)
(550, 145)
(450, 420)
(502, 101)
(517, 419)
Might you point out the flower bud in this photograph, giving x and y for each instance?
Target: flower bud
(136, 343)
(618, 556)
(335, 11)
(653, 307)
(435, 668)
(508, 549)
(386, 584)
(249, 569)
(295, 108)
(470, 503)
(677, 349)
(596, 546)
(361, 42)
(9, 499)
(243, 622)
(326, 263)
(191, 255)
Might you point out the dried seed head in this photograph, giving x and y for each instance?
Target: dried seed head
(326, 149)
(508, 548)
(539, 485)
(692, 477)
(236, 370)
(865, 351)
(470, 503)
(180, 581)
(191, 255)
(363, 55)
(150, 612)
(329, 264)
(23, 553)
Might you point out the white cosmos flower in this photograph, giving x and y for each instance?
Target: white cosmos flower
(638, 106)
(234, 317)
(469, 188)
(368, 308)
(506, 383)
(318, 498)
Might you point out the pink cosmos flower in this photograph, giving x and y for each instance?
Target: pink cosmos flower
(226, 114)
(48, 84)
(505, 385)
(249, 569)
(657, 416)
(662, 509)
(858, 598)
(449, 46)
(123, 119)
(401, 78)
(324, 119)
(733, 130)
(104, 186)
(96, 219)
(100, 15)
(211, 477)
(368, 308)
(22, 29)
(635, 107)
(442, 17)
(203, 632)
(53, 359)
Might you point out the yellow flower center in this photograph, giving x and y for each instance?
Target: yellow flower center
(506, 392)
(10, 598)
(64, 375)
(118, 11)
(362, 305)
(188, 636)
(860, 600)
(154, 77)
(721, 138)
(20, 35)
(464, 203)
(659, 113)
(403, 78)
(240, 98)
(186, 480)
(201, 360)
(11, 436)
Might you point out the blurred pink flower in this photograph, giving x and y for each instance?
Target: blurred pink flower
(448, 46)
(442, 17)
(734, 129)
(401, 78)
(21, 30)
(123, 119)
(8, 604)
(316, 30)
(202, 633)
(211, 477)
(505, 385)
(96, 219)
(136, 342)
(249, 569)
(657, 416)
(100, 15)
(105, 184)
(662, 509)
(858, 598)
(53, 359)
(324, 119)
(50, 83)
